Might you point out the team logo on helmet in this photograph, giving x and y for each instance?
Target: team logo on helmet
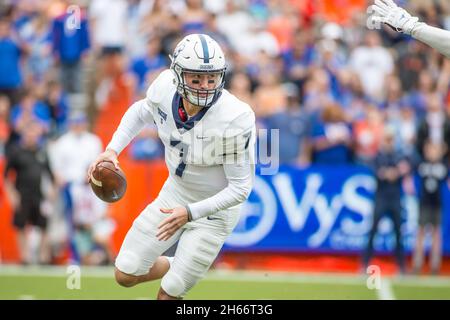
(178, 49)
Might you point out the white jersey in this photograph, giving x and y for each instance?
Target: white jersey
(211, 154)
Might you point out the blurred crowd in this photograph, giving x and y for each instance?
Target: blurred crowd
(338, 92)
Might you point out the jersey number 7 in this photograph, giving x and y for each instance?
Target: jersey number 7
(183, 147)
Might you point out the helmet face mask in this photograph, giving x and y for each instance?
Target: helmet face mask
(199, 56)
(199, 96)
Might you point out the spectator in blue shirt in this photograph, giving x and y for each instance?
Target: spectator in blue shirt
(331, 137)
(293, 125)
(58, 104)
(10, 55)
(152, 63)
(298, 60)
(70, 42)
(29, 109)
(147, 146)
(37, 35)
(417, 98)
(351, 95)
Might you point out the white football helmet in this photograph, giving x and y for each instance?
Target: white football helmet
(198, 53)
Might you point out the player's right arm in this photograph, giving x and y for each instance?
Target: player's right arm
(386, 11)
(136, 117)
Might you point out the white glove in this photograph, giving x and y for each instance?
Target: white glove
(386, 11)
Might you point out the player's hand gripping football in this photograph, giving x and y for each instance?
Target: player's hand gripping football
(177, 218)
(386, 11)
(107, 155)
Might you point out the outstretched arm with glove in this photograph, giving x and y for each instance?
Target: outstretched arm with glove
(386, 11)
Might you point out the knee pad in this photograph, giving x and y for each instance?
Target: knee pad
(128, 262)
(173, 284)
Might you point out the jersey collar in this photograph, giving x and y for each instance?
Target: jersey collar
(189, 124)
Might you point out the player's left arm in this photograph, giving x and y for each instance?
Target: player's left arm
(239, 169)
(240, 182)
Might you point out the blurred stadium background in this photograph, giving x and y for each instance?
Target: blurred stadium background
(310, 68)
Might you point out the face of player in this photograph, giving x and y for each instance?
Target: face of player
(202, 82)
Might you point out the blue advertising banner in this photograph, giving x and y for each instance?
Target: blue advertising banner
(322, 209)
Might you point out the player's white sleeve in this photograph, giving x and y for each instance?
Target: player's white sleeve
(136, 117)
(240, 173)
(434, 37)
(240, 183)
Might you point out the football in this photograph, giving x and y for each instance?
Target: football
(108, 183)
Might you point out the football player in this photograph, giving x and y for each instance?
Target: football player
(209, 138)
(386, 11)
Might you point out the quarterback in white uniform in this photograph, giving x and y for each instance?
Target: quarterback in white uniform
(386, 11)
(209, 139)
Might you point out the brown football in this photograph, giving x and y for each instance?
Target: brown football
(108, 183)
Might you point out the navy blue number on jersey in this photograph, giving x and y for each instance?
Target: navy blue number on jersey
(247, 136)
(183, 148)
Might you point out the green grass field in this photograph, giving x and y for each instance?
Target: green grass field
(98, 283)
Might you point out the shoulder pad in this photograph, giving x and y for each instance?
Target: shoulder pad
(160, 86)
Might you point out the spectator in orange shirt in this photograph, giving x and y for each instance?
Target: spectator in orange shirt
(367, 134)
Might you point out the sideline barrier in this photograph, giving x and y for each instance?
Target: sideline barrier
(318, 210)
(323, 209)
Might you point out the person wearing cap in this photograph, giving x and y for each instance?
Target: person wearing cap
(69, 166)
(390, 167)
(67, 160)
(29, 162)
